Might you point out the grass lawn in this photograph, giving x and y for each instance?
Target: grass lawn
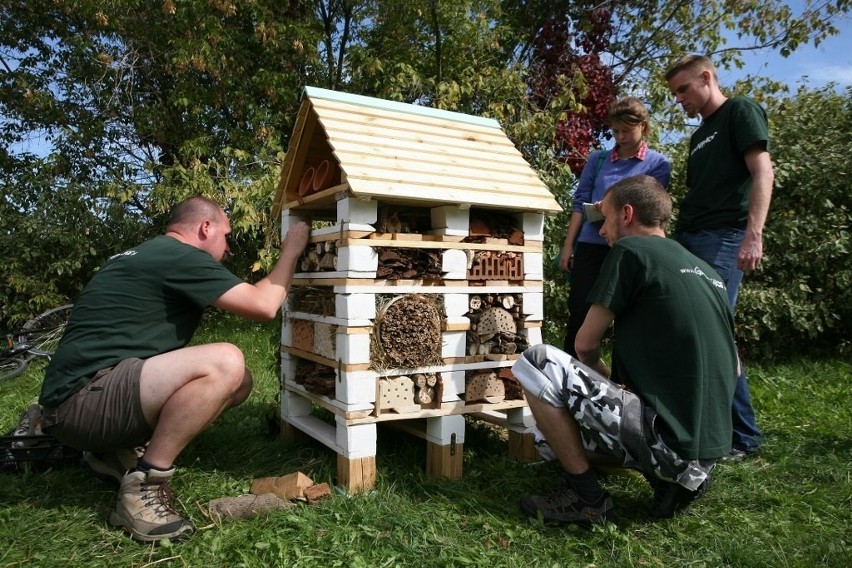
(789, 507)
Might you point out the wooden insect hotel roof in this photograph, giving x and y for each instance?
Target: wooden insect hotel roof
(406, 154)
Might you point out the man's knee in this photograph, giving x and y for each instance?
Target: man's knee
(540, 373)
(244, 390)
(230, 363)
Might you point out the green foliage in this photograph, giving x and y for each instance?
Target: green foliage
(801, 296)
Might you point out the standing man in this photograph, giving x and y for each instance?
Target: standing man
(667, 410)
(729, 179)
(123, 375)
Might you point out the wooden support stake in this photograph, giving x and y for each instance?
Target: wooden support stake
(444, 461)
(290, 433)
(357, 475)
(522, 447)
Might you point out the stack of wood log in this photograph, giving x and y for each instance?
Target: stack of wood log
(489, 224)
(316, 378)
(494, 323)
(319, 257)
(426, 388)
(408, 264)
(312, 300)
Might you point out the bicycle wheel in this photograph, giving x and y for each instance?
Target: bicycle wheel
(12, 367)
(42, 333)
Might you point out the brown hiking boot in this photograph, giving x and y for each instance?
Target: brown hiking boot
(144, 507)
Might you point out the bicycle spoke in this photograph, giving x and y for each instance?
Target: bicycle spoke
(12, 367)
(42, 333)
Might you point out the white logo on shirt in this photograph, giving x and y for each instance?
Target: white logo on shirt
(699, 272)
(703, 143)
(125, 253)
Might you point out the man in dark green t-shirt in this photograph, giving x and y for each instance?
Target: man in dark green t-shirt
(665, 408)
(124, 387)
(729, 177)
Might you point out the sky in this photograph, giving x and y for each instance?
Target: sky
(831, 61)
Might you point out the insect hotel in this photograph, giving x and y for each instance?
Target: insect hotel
(421, 283)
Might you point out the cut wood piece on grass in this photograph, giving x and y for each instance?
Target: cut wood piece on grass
(245, 506)
(290, 486)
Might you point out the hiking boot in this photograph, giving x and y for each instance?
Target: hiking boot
(565, 506)
(672, 498)
(113, 466)
(144, 507)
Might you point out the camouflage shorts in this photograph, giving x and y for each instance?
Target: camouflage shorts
(613, 422)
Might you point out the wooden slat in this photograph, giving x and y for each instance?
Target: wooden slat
(393, 137)
(364, 286)
(357, 173)
(294, 162)
(434, 165)
(317, 93)
(324, 361)
(366, 148)
(417, 194)
(427, 244)
(445, 410)
(374, 115)
(487, 158)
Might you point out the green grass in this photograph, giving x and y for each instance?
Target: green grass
(788, 507)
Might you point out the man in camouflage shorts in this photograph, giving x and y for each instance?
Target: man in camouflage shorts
(664, 410)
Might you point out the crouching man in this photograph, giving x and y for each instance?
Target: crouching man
(665, 409)
(123, 375)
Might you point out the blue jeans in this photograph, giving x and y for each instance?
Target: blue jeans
(719, 249)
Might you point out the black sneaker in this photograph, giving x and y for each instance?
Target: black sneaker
(565, 506)
(672, 498)
(737, 455)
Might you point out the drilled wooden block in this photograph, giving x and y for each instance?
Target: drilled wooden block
(396, 392)
(484, 386)
(303, 335)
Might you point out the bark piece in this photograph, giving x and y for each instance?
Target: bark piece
(245, 506)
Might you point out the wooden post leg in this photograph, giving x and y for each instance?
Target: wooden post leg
(356, 458)
(444, 461)
(357, 475)
(522, 447)
(521, 440)
(444, 446)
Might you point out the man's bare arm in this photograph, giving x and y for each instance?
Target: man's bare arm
(261, 301)
(759, 165)
(588, 341)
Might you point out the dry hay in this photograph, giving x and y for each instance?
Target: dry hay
(408, 333)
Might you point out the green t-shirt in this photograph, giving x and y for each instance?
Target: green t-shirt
(716, 174)
(674, 340)
(144, 301)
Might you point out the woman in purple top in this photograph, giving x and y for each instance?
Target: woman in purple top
(584, 250)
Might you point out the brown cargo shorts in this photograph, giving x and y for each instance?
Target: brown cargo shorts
(105, 415)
